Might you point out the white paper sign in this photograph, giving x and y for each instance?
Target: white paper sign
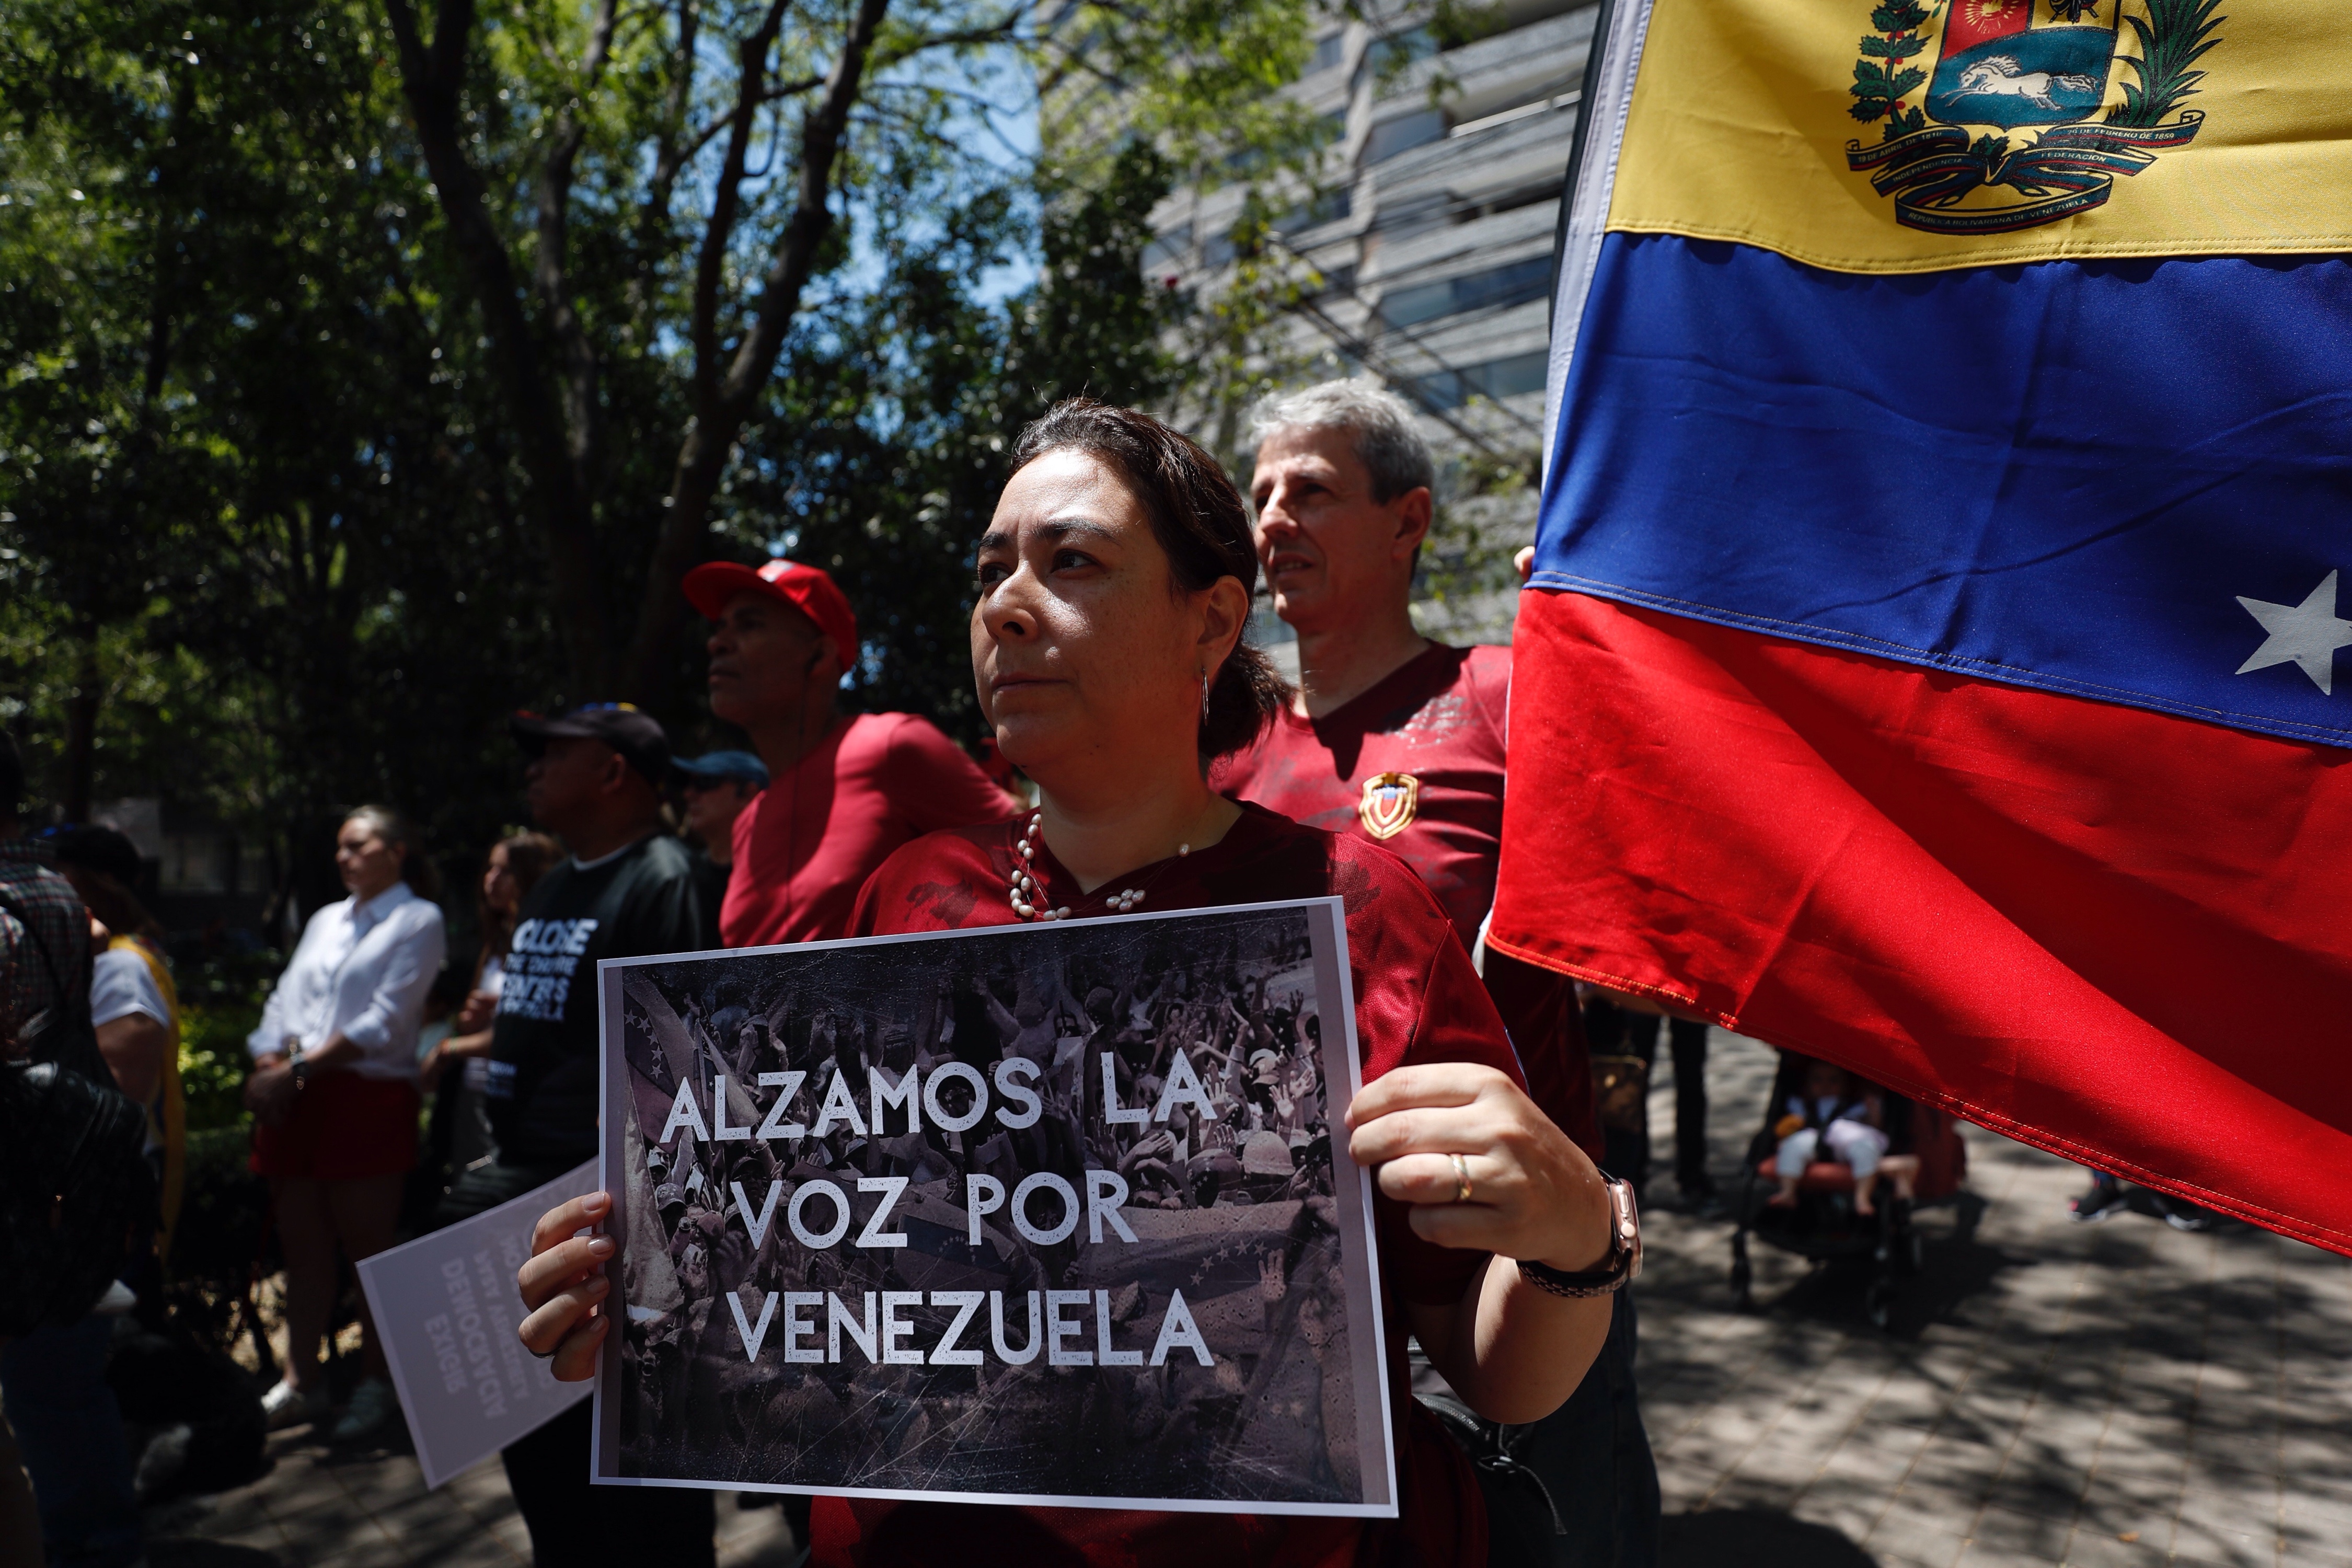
(1050, 1215)
(447, 1309)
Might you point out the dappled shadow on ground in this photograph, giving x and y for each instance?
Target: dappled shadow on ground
(1954, 1274)
(206, 1555)
(1755, 1538)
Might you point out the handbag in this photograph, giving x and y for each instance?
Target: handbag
(1523, 1522)
(74, 1187)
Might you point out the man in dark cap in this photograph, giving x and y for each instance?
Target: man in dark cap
(717, 787)
(627, 889)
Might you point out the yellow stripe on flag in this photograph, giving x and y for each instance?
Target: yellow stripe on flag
(1742, 128)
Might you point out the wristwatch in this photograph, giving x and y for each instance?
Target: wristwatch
(1623, 1265)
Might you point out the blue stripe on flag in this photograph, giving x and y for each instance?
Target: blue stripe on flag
(2063, 475)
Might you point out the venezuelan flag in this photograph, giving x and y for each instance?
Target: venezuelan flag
(1930, 661)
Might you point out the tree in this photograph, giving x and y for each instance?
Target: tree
(235, 460)
(649, 120)
(270, 535)
(885, 444)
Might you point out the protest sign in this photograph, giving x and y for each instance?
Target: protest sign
(1047, 1214)
(446, 1309)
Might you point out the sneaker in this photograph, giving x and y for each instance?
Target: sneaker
(2182, 1215)
(372, 1403)
(162, 1462)
(286, 1405)
(2103, 1201)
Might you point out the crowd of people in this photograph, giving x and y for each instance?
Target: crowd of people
(1171, 768)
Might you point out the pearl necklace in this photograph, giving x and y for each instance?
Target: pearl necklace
(1026, 891)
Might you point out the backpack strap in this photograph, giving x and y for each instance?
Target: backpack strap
(23, 917)
(87, 1061)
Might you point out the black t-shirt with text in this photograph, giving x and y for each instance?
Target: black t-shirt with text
(541, 1095)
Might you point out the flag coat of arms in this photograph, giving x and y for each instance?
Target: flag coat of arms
(1931, 658)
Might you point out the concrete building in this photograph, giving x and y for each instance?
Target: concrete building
(1433, 234)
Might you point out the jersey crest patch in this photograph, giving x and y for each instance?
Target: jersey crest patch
(1390, 803)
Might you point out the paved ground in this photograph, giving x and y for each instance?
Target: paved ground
(2106, 1396)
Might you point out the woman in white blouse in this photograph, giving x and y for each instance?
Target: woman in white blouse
(334, 1098)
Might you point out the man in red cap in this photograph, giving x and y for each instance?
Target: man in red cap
(844, 791)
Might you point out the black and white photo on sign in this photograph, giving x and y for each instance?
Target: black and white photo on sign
(1029, 1212)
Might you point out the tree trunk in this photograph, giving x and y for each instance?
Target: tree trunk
(725, 402)
(81, 720)
(432, 79)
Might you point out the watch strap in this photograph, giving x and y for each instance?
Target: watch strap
(1625, 1260)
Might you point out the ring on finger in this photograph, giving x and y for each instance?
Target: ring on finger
(1462, 1188)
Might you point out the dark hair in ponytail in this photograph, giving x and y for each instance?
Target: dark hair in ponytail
(1200, 520)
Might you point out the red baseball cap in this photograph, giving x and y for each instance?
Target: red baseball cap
(808, 589)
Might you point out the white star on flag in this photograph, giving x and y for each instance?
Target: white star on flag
(2306, 634)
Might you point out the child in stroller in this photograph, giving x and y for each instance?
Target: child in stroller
(1828, 1142)
(1838, 1117)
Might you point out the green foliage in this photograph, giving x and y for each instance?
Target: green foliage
(254, 507)
(2172, 39)
(220, 1006)
(1468, 563)
(1880, 77)
(1458, 22)
(889, 438)
(1989, 153)
(274, 534)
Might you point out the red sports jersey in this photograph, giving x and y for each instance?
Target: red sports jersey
(808, 843)
(1417, 1000)
(1415, 764)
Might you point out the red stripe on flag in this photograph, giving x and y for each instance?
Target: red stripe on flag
(2124, 937)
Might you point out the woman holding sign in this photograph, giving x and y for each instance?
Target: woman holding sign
(1114, 581)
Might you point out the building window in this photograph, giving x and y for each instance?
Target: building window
(1328, 50)
(1513, 377)
(253, 874)
(1390, 137)
(1168, 249)
(1514, 284)
(1391, 55)
(194, 863)
(1337, 280)
(1328, 207)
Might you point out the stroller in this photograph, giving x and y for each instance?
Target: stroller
(1923, 1146)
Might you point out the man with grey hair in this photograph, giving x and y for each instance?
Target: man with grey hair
(1400, 740)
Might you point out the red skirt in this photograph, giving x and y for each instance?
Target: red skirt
(343, 1127)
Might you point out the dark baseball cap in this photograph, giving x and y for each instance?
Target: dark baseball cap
(99, 849)
(719, 767)
(638, 736)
